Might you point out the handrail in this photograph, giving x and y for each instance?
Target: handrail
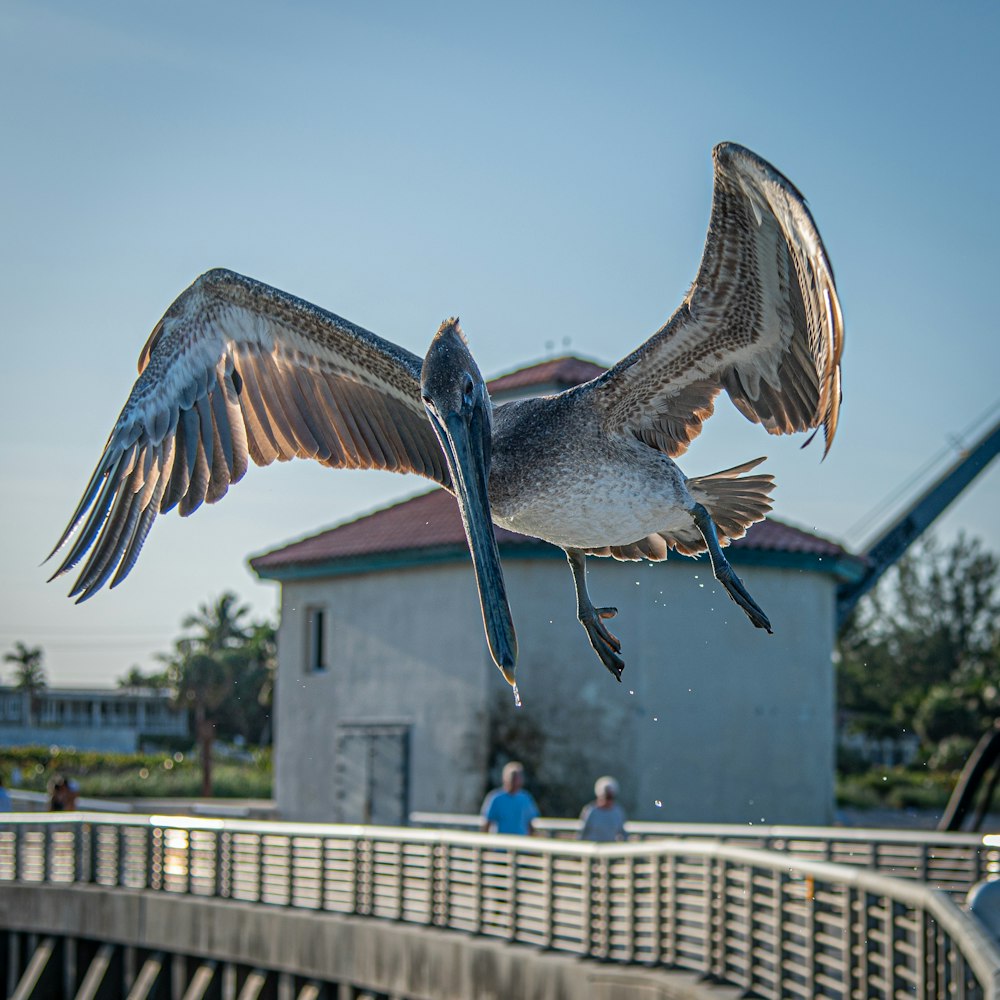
(772, 924)
(945, 860)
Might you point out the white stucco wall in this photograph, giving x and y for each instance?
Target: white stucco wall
(714, 719)
(398, 651)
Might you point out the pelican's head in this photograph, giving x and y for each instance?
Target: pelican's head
(461, 414)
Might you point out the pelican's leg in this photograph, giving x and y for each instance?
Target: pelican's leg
(605, 644)
(724, 572)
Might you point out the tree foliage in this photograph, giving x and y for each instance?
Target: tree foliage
(29, 671)
(922, 652)
(156, 680)
(222, 670)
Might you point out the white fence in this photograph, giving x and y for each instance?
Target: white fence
(773, 924)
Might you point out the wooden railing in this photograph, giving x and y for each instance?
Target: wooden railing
(773, 924)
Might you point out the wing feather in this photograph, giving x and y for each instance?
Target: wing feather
(762, 321)
(234, 372)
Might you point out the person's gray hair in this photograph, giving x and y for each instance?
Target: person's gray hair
(606, 786)
(511, 768)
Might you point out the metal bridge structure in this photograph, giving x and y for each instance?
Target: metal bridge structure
(95, 906)
(893, 541)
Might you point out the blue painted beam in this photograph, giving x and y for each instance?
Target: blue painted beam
(888, 548)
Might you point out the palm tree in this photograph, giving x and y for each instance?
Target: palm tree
(29, 674)
(202, 668)
(219, 626)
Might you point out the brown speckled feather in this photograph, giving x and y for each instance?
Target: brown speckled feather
(762, 321)
(234, 372)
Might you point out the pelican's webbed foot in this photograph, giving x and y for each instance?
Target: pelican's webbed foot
(724, 573)
(605, 643)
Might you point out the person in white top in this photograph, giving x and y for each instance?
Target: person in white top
(603, 819)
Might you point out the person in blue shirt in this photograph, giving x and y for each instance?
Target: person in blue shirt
(510, 809)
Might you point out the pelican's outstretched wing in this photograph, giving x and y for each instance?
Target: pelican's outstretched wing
(761, 321)
(237, 370)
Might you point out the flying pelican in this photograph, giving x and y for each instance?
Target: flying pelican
(237, 370)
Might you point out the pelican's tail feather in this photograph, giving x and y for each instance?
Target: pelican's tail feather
(734, 500)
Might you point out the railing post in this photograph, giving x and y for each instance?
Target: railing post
(147, 862)
(362, 876)
(862, 959)
(716, 927)
(259, 866)
(587, 905)
(604, 921)
(46, 853)
(512, 857)
(889, 936)
(630, 915)
(188, 882)
(322, 873)
(94, 858)
(809, 904)
(218, 863)
(477, 888)
(670, 916)
(711, 920)
(655, 903)
(78, 872)
(548, 935)
(16, 860)
(750, 913)
(400, 878)
(778, 888)
(441, 896)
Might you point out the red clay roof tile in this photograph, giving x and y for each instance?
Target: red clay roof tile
(563, 373)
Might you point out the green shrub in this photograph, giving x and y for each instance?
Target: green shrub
(143, 775)
(896, 788)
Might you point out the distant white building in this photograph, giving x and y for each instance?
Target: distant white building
(89, 718)
(387, 700)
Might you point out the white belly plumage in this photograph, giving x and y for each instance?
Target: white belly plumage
(594, 509)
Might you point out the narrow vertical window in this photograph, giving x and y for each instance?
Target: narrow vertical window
(315, 639)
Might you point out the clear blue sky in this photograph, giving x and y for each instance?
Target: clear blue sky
(541, 169)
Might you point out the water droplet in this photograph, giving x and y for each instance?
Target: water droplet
(702, 586)
(630, 691)
(656, 718)
(517, 696)
(657, 803)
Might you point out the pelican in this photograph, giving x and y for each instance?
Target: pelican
(237, 371)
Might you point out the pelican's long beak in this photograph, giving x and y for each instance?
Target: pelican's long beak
(466, 443)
